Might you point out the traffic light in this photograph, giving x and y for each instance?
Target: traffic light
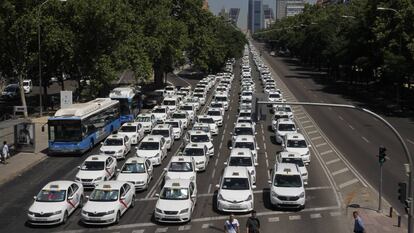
(402, 192)
(381, 155)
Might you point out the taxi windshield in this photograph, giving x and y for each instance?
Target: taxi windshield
(243, 131)
(235, 184)
(104, 195)
(216, 105)
(113, 142)
(274, 96)
(143, 119)
(286, 127)
(245, 114)
(169, 102)
(133, 168)
(159, 110)
(149, 146)
(179, 116)
(51, 196)
(162, 132)
(206, 120)
(174, 124)
(202, 128)
(93, 166)
(180, 167)
(248, 145)
(174, 193)
(200, 138)
(297, 161)
(221, 98)
(296, 143)
(128, 129)
(187, 107)
(288, 181)
(214, 113)
(194, 152)
(241, 161)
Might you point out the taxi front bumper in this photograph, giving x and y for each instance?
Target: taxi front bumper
(51, 220)
(101, 220)
(172, 218)
(227, 206)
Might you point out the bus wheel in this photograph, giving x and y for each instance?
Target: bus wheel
(91, 145)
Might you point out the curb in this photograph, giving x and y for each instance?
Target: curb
(18, 173)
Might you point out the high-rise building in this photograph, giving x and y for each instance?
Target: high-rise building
(205, 5)
(257, 16)
(234, 15)
(288, 8)
(268, 16)
(250, 16)
(224, 13)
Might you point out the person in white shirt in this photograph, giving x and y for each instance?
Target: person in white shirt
(231, 225)
(5, 152)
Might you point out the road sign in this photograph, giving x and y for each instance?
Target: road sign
(65, 99)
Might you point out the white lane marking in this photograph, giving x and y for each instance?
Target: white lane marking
(155, 185)
(312, 132)
(305, 122)
(159, 230)
(221, 144)
(297, 113)
(321, 144)
(340, 171)
(316, 138)
(295, 217)
(340, 118)
(318, 188)
(215, 164)
(184, 228)
(313, 216)
(138, 231)
(206, 225)
(209, 188)
(326, 152)
(214, 172)
(332, 161)
(301, 118)
(264, 145)
(408, 140)
(365, 139)
(334, 214)
(274, 219)
(349, 182)
(228, 116)
(309, 126)
(350, 126)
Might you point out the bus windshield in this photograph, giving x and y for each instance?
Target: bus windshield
(124, 105)
(65, 130)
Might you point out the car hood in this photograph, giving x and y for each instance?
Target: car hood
(147, 153)
(90, 174)
(47, 207)
(99, 206)
(145, 124)
(132, 177)
(199, 158)
(173, 205)
(129, 134)
(111, 148)
(234, 195)
(159, 115)
(287, 191)
(217, 117)
(301, 151)
(180, 175)
(176, 130)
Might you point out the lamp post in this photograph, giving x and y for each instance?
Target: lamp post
(39, 15)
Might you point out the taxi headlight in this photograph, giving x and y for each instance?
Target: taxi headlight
(120, 151)
(199, 163)
(99, 178)
(85, 212)
(302, 195)
(220, 197)
(274, 194)
(30, 212)
(307, 153)
(249, 198)
(158, 210)
(184, 211)
(57, 212)
(192, 177)
(77, 179)
(157, 155)
(110, 212)
(304, 174)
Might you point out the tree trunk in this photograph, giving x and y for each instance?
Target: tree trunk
(159, 76)
(22, 96)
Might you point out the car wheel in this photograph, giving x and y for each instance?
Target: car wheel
(133, 202)
(118, 216)
(81, 202)
(65, 217)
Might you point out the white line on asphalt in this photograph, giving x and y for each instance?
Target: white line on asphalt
(332, 161)
(218, 155)
(214, 172)
(274, 219)
(340, 171)
(301, 118)
(209, 188)
(313, 216)
(298, 113)
(305, 122)
(340, 118)
(221, 144)
(365, 139)
(153, 189)
(408, 140)
(137, 231)
(321, 144)
(350, 126)
(349, 182)
(312, 132)
(206, 225)
(309, 126)
(316, 138)
(184, 228)
(318, 188)
(264, 145)
(160, 230)
(215, 164)
(326, 152)
(228, 116)
(295, 217)
(334, 214)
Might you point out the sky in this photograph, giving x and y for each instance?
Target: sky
(217, 5)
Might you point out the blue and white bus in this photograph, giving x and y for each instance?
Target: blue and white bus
(130, 101)
(77, 128)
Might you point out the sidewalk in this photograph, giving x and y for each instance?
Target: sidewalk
(23, 161)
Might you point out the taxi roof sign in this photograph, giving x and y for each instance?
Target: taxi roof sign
(106, 186)
(134, 161)
(95, 158)
(180, 159)
(235, 173)
(176, 184)
(54, 186)
(287, 170)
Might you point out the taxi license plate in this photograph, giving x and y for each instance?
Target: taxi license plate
(235, 206)
(40, 219)
(171, 217)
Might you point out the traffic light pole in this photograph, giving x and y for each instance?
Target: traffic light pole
(396, 133)
(380, 190)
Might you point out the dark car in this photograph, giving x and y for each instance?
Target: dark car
(11, 91)
(151, 99)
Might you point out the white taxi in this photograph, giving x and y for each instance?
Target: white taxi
(295, 142)
(181, 167)
(283, 127)
(137, 171)
(108, 202)
(202, 138)
(176, 201)
(117, 146)
(199, 153)
(295, 158)
(287, 109)
(243, 158)
(190, 109)
(166, 131)
(183, 116)
(133, 130)
(243, 129)
(177, 127)
(55, 203)
(203, 127)
(95, 169)
(153, 148)
(210, 121)
(195, 101)
(286, 186)
(161, 113)
(222, 97)
(235, 192)
(217, 115)
(147, 120)
(247, 142)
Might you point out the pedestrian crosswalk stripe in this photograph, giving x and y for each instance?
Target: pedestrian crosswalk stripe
(295, 217)
(137, 231)
(206, 225)
(334, 214)
(316, 215)
(184, 228)
(159, 230)
(275, 219)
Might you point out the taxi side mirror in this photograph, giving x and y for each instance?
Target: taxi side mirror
(231, 148)
(34, 198)
(193, 196)
(253, 186)
(87, 197)
(165, 169)
(217, 186)
(79, 167)
(256, 164)
(309, 146)
(157, 195)
(102, 143)
(70, 198)
(269, 182)
(123, 198)
(118, 170)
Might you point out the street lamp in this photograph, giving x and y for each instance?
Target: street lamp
(39, 15)
(348, 17)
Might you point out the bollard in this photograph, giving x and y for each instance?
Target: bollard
(391, 209)
(399, 221)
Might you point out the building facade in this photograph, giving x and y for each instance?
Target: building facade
(288, 8)
(234, 15)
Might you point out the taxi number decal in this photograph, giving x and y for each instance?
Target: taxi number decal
(123, 203)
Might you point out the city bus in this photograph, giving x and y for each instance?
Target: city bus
(79, 127)
(130, 101)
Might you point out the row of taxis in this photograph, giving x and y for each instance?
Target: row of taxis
(113, 189)
(289, 174)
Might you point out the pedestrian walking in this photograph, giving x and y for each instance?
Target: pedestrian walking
(358, 223)
(231, 225)
(253, 223)
(5, 152)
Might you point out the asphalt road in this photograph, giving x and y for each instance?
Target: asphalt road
(323, 210)
(357, 135)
